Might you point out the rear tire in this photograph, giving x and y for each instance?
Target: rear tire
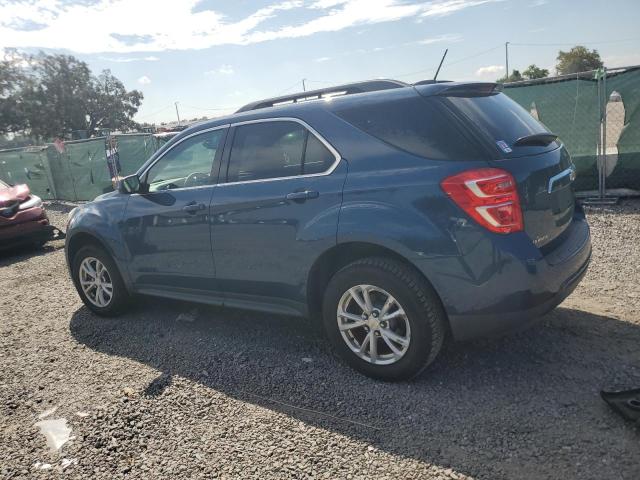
(401, 328)
(108, 296)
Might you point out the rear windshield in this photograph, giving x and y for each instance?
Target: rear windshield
(499, 118)
(421, 126)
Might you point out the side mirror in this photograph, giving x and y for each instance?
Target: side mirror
(130, 184)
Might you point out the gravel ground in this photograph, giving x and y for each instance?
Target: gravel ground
(230, 394)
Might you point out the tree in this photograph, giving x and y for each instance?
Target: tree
(12, 76)
(532, 72)
(578, 59)
(55, 95)
(515, 76)
(110, 105)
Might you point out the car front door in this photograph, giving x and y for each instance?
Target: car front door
(166, 228)
(275, 209)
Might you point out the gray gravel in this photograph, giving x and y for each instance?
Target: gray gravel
(230, 394)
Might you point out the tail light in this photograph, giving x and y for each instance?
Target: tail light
(489, 196)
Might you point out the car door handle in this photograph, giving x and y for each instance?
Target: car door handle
(193, 207)
(303, 195)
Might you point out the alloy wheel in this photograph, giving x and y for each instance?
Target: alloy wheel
(96, 282)
(373, 324)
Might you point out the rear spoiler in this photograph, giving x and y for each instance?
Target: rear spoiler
(471, 89)
(459, 89)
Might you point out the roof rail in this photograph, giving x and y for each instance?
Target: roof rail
(347, 89)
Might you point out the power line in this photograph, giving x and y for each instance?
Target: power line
(209, 109)
(574, 43)
(289, 88)
(156, 112)
(460, 60)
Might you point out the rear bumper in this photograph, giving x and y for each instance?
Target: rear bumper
(467, 327)
(505, 283)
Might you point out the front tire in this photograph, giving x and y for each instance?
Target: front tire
(98, 282)
(383, 318)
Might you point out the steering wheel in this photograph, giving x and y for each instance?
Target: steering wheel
(196, 178)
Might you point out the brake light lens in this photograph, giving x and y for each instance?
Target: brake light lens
(489, 196)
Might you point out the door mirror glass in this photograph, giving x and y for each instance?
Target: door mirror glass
(130, 184)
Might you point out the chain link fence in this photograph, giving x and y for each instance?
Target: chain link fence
(597, 116)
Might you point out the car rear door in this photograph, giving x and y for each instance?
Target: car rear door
(166, 229)
(275, 209)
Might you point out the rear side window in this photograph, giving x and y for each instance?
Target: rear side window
(317, 157)
(499, 117)
(421, 126)
(274, 150)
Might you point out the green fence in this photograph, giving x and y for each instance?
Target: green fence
(78, 173)
(27, 165)
(597, 116)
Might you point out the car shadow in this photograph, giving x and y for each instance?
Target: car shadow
(510, 405)
(22, 253)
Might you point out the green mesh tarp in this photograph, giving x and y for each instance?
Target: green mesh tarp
(134, 150)
(80, 172)
(87, 165)
(62, 180)
(570, 109)
(30, 166)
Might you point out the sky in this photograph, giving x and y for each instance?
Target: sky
(213, 56)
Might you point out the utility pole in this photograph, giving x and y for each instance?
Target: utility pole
(304, 86)
(177, 113)
(506, 56)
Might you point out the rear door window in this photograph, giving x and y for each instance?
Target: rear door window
(421, 126)
(276, 149)
(317, 157)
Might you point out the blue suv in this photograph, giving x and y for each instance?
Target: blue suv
(395, 214)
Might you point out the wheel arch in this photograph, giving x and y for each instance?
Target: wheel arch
(339, 256)
(83, 238)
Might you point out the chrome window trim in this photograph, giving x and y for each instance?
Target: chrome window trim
(199, 132)
(311, 130)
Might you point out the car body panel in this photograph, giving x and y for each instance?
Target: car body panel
(265, 244)
(101, 220)
(168, 247)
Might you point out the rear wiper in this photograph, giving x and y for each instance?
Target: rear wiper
(535, 140)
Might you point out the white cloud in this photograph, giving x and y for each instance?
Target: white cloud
(226, 70)
(115, 25)
(448, 38)
(222, 70)
(490, 70)
(322, 59)
(144, 80)
(538, 3)
(150, 58)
